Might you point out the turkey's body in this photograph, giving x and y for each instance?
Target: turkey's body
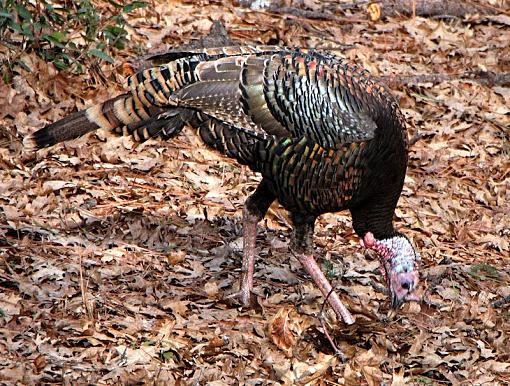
(322, 133)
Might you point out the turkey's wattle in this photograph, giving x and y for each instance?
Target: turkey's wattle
(322, 133)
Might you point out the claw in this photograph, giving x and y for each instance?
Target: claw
(243, 296)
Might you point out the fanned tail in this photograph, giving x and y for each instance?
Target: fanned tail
(163, 98)
(124, 114)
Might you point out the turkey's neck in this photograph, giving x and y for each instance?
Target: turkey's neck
(376, 216)
(375, 213)
(384, 181)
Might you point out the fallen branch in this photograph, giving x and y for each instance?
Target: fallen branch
(447, 8)
(487, 78)
(426, 8)
(314, 15)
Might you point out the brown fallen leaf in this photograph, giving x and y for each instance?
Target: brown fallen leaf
(162, 221)
(399, 379)
(11, 101)
(280, 329)
(40, 363)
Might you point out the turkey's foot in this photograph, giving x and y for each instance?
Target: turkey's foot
(337, 351)
(245, 296)
(313, 269)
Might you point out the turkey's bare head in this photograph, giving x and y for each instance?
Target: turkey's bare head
(399, 265)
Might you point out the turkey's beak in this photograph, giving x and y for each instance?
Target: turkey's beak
(401, 287)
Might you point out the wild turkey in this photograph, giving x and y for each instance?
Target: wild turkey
(324, 135)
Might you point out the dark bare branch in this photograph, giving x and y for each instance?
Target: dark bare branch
(487, 78)
(434, 8)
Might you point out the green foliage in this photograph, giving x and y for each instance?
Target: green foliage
(167, 355)
(329, 270)
(67, 34)
(423, 380)
(483, 271)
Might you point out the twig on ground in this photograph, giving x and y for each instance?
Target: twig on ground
(434, 8)
(487, 78)
(86, 304)
(338, 352)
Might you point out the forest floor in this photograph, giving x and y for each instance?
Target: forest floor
(115, 257)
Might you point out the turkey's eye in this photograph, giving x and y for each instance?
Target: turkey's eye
(406, 284)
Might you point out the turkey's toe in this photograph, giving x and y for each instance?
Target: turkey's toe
(245, 298)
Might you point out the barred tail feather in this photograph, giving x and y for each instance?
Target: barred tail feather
(165, 124)
(71, 127)
(124, 114)
(238, 143)
(76, 125)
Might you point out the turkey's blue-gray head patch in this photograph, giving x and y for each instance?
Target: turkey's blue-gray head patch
(399, 265)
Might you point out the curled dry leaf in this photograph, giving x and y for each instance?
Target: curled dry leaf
(374, 10)
(10, 306)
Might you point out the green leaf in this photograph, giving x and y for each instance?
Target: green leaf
(23, 12)
(115, 4)
(101, 55)
(6, 15)
(55, 37)
(61, 65)
(483, 271)
(6, 77)
(66, 57)
(37, 28)
(115, 30)
(79, 68)
(26, 29)
(423, 380)
(14, 25)
(58, 36)
(329, 269)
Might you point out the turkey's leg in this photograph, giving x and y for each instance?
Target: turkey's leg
(301, 244)
(255, 209)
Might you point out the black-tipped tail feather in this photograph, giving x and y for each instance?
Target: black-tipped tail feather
(122, 115)
(71, 127)
(76, 125)
(165, 124)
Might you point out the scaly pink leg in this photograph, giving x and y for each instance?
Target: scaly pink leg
(324, 285)
(249, 238)
(254, 210)
(302, 245)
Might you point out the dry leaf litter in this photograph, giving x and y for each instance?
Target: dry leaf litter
(115, 256)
